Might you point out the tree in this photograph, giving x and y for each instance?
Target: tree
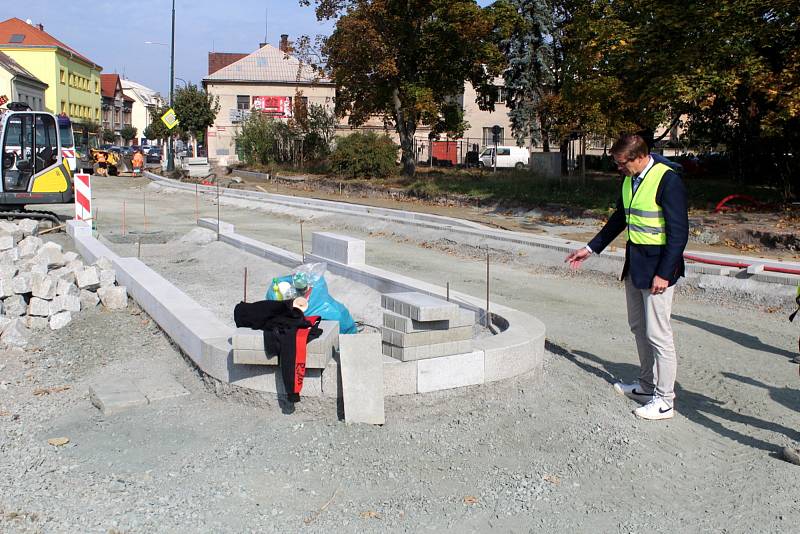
(128, 133)
(109, 136)
(157, 129)
(406, 60)
(195, 109)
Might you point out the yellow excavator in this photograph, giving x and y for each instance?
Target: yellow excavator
(33, 170)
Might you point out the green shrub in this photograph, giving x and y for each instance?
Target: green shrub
(364, 155)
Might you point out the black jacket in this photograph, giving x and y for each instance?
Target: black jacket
(643, 262)
(286, 331)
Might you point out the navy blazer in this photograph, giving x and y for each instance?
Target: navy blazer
(643, 262)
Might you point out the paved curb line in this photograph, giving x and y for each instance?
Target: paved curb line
(476, 230)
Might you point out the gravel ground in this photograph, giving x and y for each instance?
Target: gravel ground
(553, 452)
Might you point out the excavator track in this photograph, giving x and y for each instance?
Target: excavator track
(30, 214)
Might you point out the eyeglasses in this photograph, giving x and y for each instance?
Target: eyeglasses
(620, 163)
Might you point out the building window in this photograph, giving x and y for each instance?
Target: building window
(63, 76)
(243, 102)
(501, 95)
(96, 87)
(63, 107)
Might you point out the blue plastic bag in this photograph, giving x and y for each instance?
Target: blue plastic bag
(321, 303)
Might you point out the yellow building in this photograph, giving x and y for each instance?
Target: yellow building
(73, 81)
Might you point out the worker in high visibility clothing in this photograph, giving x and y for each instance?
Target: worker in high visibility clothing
(138, 162)
(652, 211)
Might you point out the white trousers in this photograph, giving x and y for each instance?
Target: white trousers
(649, 319)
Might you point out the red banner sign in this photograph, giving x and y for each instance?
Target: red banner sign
(278, 106)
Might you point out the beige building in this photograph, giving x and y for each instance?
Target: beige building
(19, 85)
(266, 81)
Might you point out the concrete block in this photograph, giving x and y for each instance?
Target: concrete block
(64, 273)
(51, 256)
(159, 386)
(69, 303)
(420, 306)
(22, 283)
(29, 227)
(431, 337)
(113, 298)
(29, 246)
(107, 277)
(9, 228)
(14, 306)
(78, 229)
(115, 395)
(39, 307)
(36, 323)
(450, 372)
(410, 326)
(424, 352)
(88, 299)
(44, 287)
(65, 287)
(34, 266)
(332, 380)
(88, 278)
(248, 347)
(254, 357)
(399, 378)
(338, 248)
(60, 320)
(70, 256)
(362, 378)
(755, 268)
(4, 323)
(6, 287)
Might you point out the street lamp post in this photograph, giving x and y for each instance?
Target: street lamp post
(170, 149)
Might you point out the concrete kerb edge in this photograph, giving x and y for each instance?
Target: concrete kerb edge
(468, 228)
(516, 350)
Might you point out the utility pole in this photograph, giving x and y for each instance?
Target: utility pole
(170, 148)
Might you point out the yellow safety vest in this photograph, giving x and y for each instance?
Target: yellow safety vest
(644, 217)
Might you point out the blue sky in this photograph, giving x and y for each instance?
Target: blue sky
(112, 34)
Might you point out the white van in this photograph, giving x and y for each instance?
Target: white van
(507, 157)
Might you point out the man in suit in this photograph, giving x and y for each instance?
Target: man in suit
(652, 211)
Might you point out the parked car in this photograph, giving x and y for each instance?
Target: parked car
(507, 157)
(153, 155)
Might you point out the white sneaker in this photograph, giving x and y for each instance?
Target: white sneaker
(656, 409)
(633, 391)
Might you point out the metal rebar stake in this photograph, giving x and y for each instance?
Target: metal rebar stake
(488, 317)
(217, 211)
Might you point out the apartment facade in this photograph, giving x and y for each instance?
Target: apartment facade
(116, 106)
(144, 102)
(19, 85)
(72, 80)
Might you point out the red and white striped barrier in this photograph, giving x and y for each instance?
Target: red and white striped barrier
(67, 153)
(83, 197)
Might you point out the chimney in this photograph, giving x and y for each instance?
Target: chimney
(284, 46)
(40, 26)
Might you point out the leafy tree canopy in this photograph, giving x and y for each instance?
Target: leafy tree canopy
(195, 108)
(406, 60)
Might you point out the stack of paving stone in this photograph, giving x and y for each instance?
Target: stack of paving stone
(41, 286)
(417, 326)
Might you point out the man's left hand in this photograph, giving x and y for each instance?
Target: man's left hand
(659, 285)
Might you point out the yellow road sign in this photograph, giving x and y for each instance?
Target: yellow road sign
(169, 119)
